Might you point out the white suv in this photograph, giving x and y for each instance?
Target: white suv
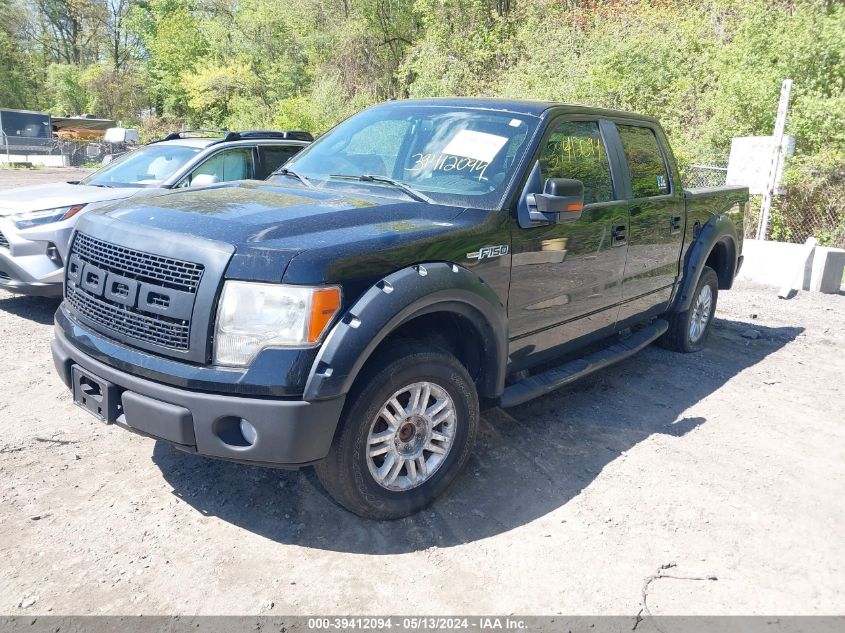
(36, 222)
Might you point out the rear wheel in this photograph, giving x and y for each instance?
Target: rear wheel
(688, 330)
(407, 429)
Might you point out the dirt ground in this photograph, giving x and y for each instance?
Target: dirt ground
(727, 464)
(21, 177)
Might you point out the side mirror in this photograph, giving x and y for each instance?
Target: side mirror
(562, 200)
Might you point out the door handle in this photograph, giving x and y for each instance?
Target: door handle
(675, 224)
(618, 234)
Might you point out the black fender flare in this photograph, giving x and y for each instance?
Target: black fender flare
(396, 299)
(716, 229)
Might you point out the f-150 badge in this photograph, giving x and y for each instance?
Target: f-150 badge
(489, 251)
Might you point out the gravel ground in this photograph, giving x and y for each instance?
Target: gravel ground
(727, 464)
(20, 177)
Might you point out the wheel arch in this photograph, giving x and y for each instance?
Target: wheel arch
(413, 302)
(714, 247)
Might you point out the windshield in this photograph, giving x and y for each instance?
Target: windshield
(450, 155)
(147, 166)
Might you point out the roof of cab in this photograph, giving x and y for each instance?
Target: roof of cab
(518, 106)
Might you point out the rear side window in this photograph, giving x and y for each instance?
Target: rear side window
(273, 157)
(576, 150)
(645, 161)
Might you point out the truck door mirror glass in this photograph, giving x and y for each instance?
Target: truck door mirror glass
(562, 200)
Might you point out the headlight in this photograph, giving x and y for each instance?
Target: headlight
(253, 316)
(37, 218)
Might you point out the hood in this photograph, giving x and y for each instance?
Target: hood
(57, 194)
(255, 215)
(305, 236)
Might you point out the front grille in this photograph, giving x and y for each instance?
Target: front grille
(149, 328)
(164, 271)
(107, 283)
(4, 243)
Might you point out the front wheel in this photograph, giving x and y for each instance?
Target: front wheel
(407, 429)
(688, 330)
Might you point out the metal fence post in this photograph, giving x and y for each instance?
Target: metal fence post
(777, 140)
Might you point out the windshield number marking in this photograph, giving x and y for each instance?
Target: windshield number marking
(447, 162)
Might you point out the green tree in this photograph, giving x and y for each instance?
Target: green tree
(69, 31)
(175, 43)
(17, 80)
(463, 48)
(214, 89)
(65, 92)
(114, 94)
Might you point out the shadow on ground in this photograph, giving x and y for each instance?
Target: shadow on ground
(528, 461)
(37, 309)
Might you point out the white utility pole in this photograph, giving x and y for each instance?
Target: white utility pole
(777, 150)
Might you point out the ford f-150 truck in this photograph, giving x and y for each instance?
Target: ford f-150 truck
(420, 261)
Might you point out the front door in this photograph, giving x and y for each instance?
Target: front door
(657, 216)
(566, 278)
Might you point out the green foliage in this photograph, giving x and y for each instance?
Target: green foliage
(118, 95)
(802, 40)
(709, 69)
(65, 91)
(327, 104)
(155, 127)
(463, 47)
(17, 85)
(171, 32)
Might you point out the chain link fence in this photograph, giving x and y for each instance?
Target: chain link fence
(812, 203)
(73, 153)
(81, 153)
(696, 175)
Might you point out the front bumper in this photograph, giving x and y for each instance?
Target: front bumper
(25, 267)
(25, 287)
(289, 432)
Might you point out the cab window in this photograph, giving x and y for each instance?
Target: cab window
(230, 164)
(576, 150)
(274, 156)
(645, 161)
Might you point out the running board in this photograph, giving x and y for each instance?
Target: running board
(548, 381)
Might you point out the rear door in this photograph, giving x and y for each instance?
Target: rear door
(656, 213)
(566, 278)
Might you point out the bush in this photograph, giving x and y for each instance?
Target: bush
(153, 128)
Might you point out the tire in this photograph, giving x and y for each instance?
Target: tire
(688, 331)
(352, 476)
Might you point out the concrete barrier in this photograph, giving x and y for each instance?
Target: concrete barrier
(45, 160)
(776, 264)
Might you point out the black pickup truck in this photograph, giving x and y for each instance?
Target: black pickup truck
(420, 261)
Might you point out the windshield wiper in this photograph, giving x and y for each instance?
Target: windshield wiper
(407, 189)
(284, 171)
